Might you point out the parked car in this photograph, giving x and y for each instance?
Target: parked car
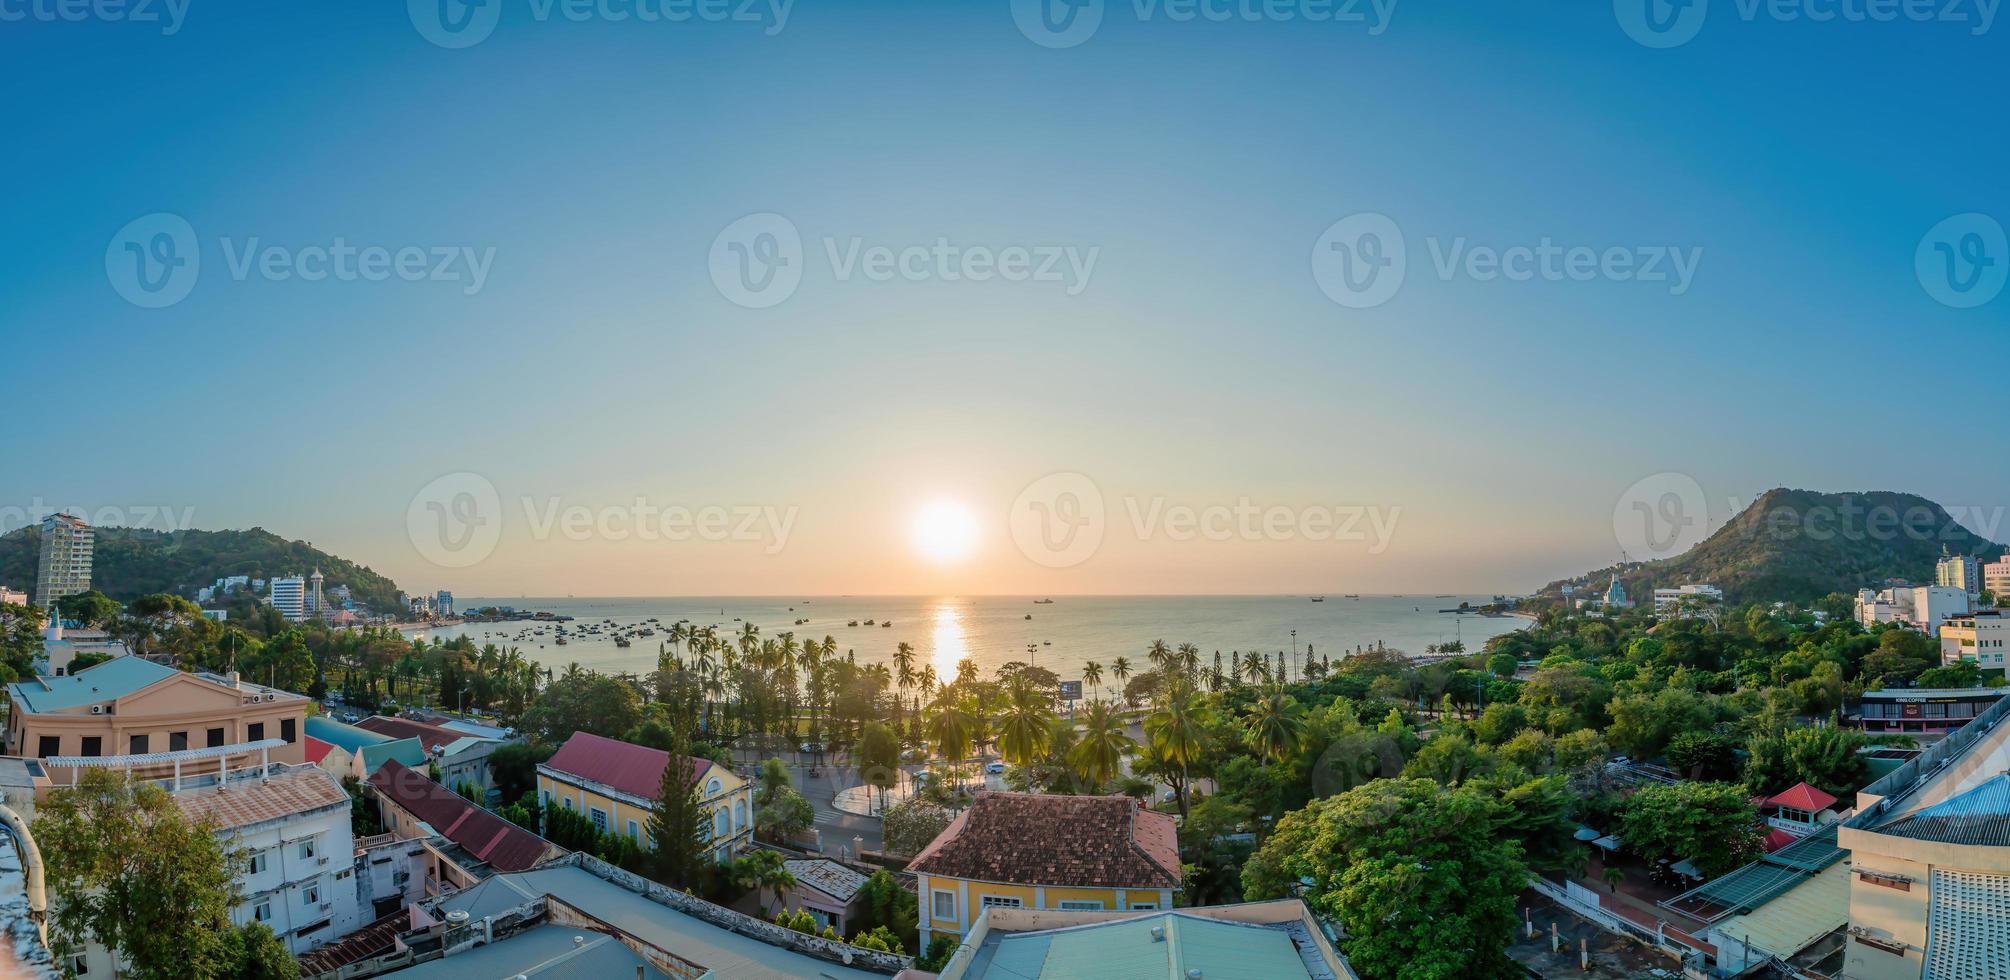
(995, 769)
(811, 748)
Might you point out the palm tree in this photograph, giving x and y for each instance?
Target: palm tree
(1120, 669)
(1092, 674)
(950, 728)
(1161, 656)
(1276, 723)
(1098, 756)
(1177, 732)
(1027, 726)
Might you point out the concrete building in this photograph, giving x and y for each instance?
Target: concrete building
(1930, 862)
(1924, 710)
(12, 597)
(1685, 598)
(478, 843)
(827, 890)
(133, 706)
(615, 784)
(1276, 940)
(1036, 851)
(1979, 636)
(443, 603)
(289, 598)
(65, 565)
(1962, 572)
(62, 646)
(1996, 579)
(1922, 607)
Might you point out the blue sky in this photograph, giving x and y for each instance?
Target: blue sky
(595, 161)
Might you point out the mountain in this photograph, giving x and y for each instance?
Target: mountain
(1799, 545)
(128, 563)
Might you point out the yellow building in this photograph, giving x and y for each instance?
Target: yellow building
(615, 784)
(1031, 851)
(1930, 862)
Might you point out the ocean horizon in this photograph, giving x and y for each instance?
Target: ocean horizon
(1060, 635)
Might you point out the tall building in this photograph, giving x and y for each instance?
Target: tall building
(444, 603)
(1962, 572)
(1996, 578)
(315, 606)
(65, 568)
(1922, 607)
(289, 597)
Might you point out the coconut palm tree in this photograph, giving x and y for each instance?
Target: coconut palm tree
(1098, 755)
(1120, 669)
(1026, 728)
(1161, 656)
(1177, 733)
(1276, 723)
(1092, 674)
(950, 729)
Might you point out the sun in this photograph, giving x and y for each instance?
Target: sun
(945, 531)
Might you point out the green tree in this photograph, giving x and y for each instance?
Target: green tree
(94, 609)
(584, 702)
(1703, 755)
(762, 871)
(912, 824)
(1027, 727)
(1712, 825)
(1098, 756)
(678, 824)
(878, 757)
(1825, 758)
(1177, 735)
(257, 954)
(128, 870)
(1416, 874)
(780, 812)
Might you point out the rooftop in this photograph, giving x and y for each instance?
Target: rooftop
(1901, 693)
(431, 736)
(1225, 943)
(405, 750)
(633, 769)
(503, 845)
(1801, 796)
(546, 952)
(1978, 816)
(113, 679)
(827, 876)
(284, 792)
(348, 737)
(1037, 839)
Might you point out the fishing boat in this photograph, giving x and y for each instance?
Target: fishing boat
(1319, 598)
(1043, 602)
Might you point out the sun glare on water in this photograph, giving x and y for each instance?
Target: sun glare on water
(945, 531)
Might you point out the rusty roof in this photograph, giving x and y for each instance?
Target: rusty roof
(1036, 839)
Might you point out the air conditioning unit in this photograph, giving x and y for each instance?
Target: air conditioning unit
(97, 709)
(271, 697)
(326, 906)
(321, 860)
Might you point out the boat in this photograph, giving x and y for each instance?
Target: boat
(886, 624)
(1029, 615)
(621, 642)
(1043, 602)
(1319, 598)
(852, 623)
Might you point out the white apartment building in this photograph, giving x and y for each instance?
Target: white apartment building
(289, 597)
(65, 565)
(1979, 636)
(1922, 607)
(291, 825)
(12, 597)
(1962, 572)
(1669, 600)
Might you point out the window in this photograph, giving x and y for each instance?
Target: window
(634, 832)
(286, 730)
(999, 902)
(599, 818)
(215, 737)
(139, 745)
(943, 904)
(307, 849)
(258, 863)
(49, 745)
(82, 966)
(712, 788)
(721, 824)
(1069, 906)
(1143, 906)
(568, 802)
(177, 741)
(262, 912)
(94, 745)
(255, 732)
(311, 895)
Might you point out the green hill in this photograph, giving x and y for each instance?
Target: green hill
(129, 563)
(1799, 545)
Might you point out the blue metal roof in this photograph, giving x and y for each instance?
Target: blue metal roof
(1979, 816)
(347, 737)
(406, 750)
(115, 678)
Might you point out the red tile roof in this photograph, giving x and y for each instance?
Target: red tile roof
(1033, 839)
(1777, 838)
(431, 736)
(293, 791)
(1801, 796)
(633, 769)
(504, 845)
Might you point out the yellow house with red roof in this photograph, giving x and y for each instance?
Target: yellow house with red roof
(614, 783)
(1034, 851)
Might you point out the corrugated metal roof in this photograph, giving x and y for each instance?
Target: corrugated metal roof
(405, 750)
(348, 737)
(1797, 917)
(1127, 949)
(1979, 816)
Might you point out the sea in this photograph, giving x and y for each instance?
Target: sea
(1060, 635)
